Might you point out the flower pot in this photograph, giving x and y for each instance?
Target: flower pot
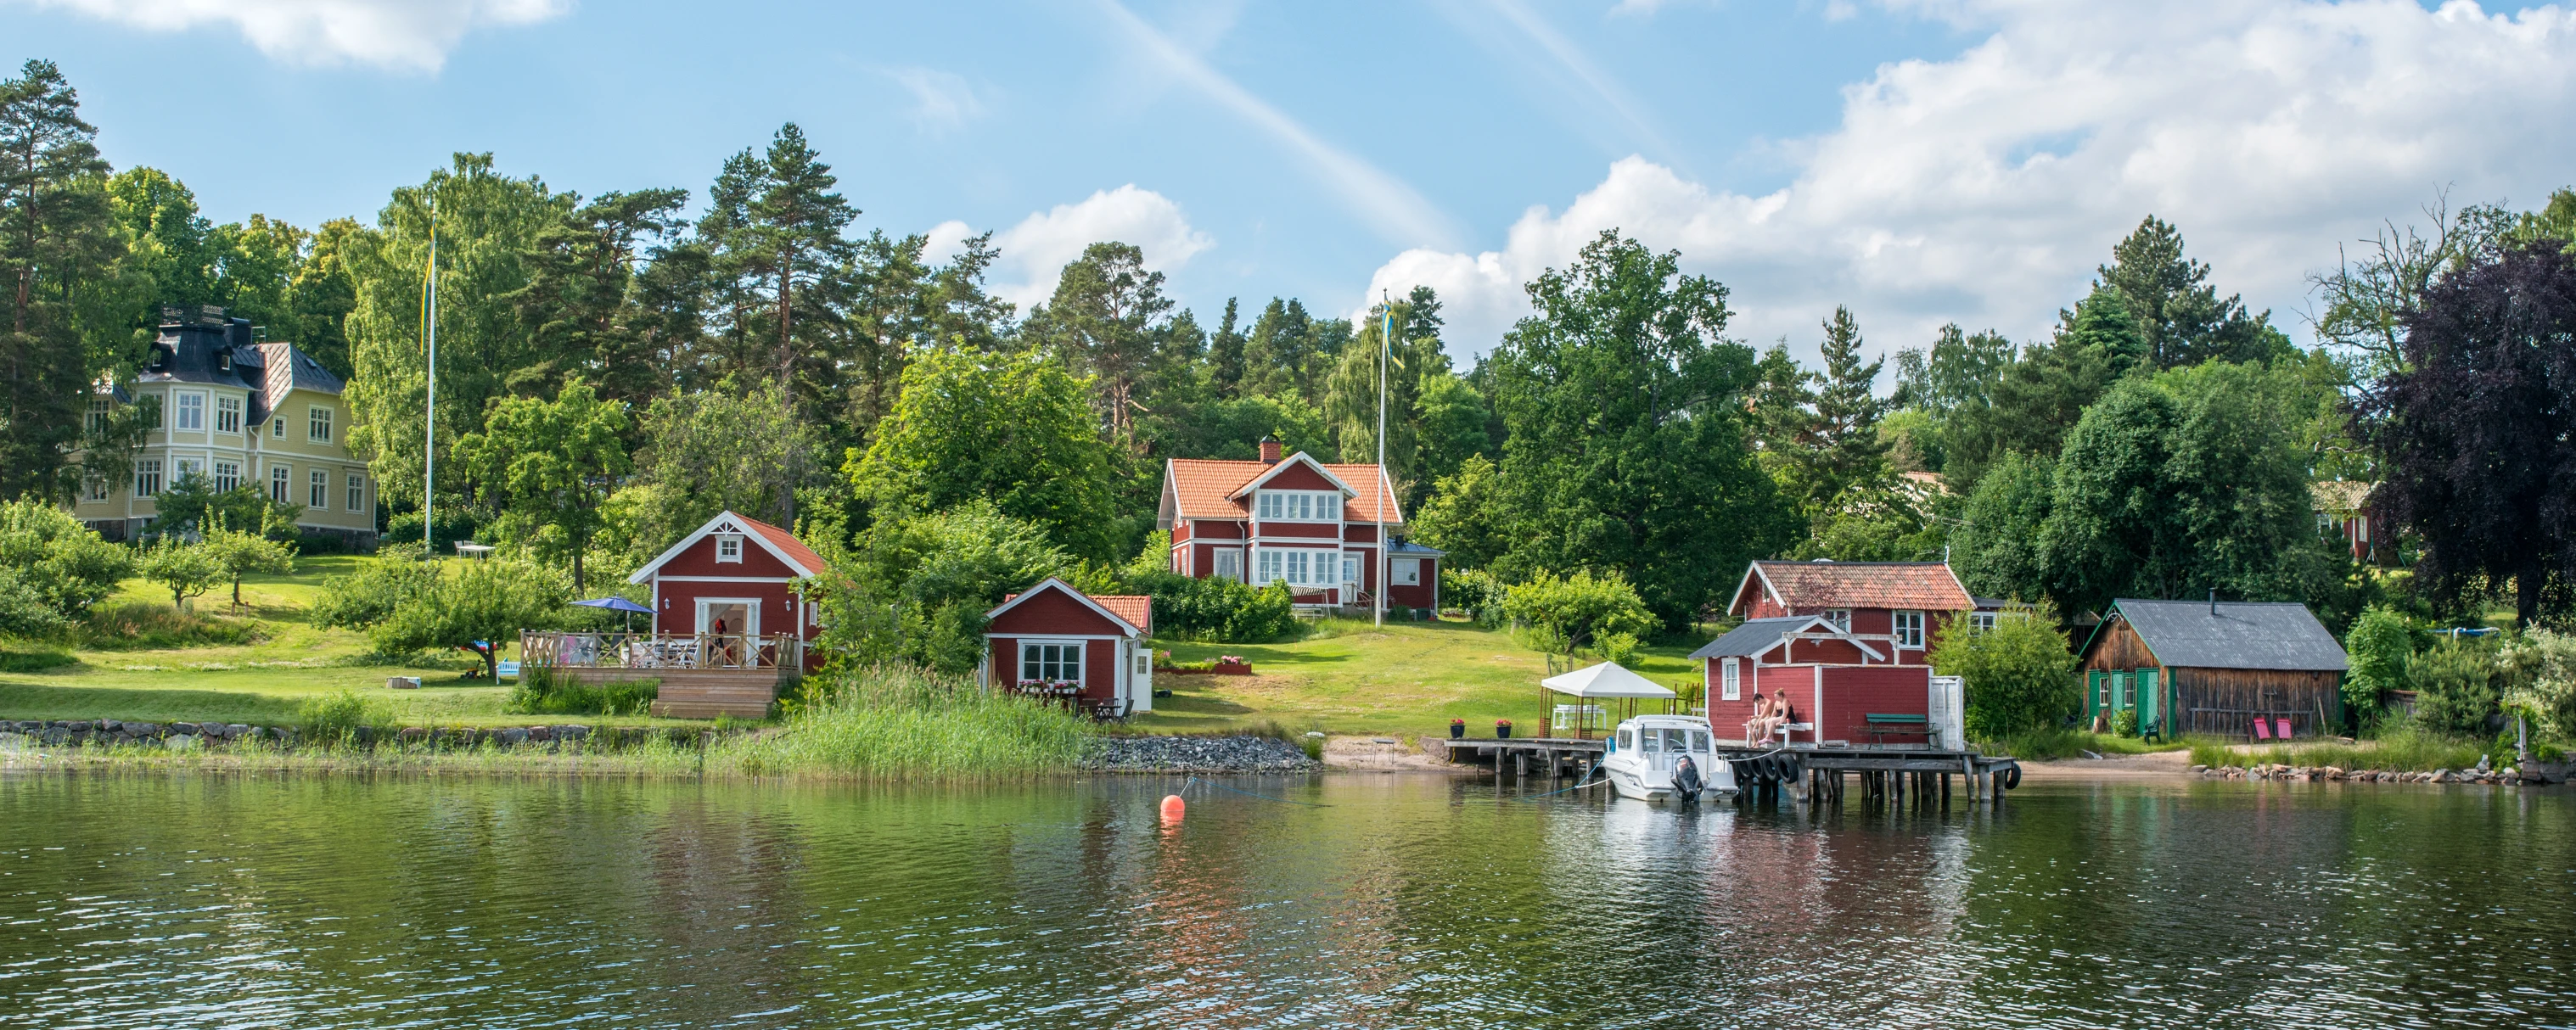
(1457, 730)
(1502, 731)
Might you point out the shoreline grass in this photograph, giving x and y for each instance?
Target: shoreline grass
(2053, 744)
(2403, 749)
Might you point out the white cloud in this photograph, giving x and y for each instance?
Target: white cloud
(1034, 252)
(413, 35)
(1985, 188)
(941, 100)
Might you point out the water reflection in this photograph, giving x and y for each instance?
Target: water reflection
(186, 901)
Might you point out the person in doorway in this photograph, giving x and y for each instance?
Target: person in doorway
(724, 647)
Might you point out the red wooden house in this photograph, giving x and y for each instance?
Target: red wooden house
(1055, 640)
(1847, 641)
(737, 572)
(1293, 519)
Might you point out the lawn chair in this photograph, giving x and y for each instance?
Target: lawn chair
(2281, 729)
(2262, 729)
(2154, 731)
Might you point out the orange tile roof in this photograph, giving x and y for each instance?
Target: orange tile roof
(787, 543)
(1204, 489)
(1137, 609)
(1809, 585)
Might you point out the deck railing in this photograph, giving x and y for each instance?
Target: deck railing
(662, 650)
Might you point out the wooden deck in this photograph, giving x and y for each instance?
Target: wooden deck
(702, 675)
(696, 693)
(1803, 773)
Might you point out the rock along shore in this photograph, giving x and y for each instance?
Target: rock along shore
(2508, 776)
(1200, 754)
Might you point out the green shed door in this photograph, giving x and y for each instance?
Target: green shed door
(2150, 699)
(2094, 700)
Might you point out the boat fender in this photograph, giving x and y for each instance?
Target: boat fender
(2012, 776)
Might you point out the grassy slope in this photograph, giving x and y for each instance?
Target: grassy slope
(1407, 678)
(264, 681)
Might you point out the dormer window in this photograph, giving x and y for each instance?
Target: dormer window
(1840, 617)
(728, 547)
(1298, 506)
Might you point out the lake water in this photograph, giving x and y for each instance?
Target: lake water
(131, 900)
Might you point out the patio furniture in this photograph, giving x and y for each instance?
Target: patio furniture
(2281, 729)
(2262, 728)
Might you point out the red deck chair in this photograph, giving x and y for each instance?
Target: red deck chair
(2262, 728)
(2281, 729)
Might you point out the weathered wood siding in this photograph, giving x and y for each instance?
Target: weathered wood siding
(2222, 702)
(2117, 648)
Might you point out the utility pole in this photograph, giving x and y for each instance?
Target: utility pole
(429, 411)
(1385, 483)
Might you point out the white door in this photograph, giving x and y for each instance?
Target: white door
(1139, 656)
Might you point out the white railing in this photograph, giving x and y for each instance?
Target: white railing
(661, 650)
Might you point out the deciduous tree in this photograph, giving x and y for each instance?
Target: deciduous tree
(1013, 429)
(547, 465)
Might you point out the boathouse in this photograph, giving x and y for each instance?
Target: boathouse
(2213, 667)
(1089, 651)
(1847, 641)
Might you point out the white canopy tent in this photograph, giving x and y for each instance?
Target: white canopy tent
(1606, 681)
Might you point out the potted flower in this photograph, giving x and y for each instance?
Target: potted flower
(1502, 729)
(1457, 729)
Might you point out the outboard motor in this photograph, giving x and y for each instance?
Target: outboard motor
(1686, 781)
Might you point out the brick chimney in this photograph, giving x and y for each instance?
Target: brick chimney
(1270, 450)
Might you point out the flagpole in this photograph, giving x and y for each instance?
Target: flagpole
(1385, 338)
(429, 411)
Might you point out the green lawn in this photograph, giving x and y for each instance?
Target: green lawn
(265, 681)
(1408, 678)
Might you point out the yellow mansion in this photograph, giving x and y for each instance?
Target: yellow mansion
(237, 411)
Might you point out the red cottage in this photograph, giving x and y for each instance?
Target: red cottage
(1294, 519)
(736, 570)
(1848, 641)
(1054, 639)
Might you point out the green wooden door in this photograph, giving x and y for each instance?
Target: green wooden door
(2093, 699)
(2151, 706)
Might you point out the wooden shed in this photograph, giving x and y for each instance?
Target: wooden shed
(2212, 667)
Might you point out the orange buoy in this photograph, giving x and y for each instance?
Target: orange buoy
(1172, 807)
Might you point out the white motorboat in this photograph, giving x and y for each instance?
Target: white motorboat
(1645, 751)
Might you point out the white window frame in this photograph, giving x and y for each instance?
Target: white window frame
(1266, 566)
(1228, 569)
(1302, 567)
(189, 411)
(1350, 567)
(227, 480)
(1839, 619)
(1730, 679)
(279, 477)
(1298, 505)
(95, 486)
(99, 408)
(228, 415)
(1407, 572)
(1981, 621)
(1908, 637)
(317, 423)
(729, 548)
(357, 492)
(280, 428)
(147, 477)
(1032, 650)
(318, 490)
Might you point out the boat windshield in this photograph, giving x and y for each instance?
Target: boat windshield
(1699, 741)
(1627, 740)
(1653, 741)
(1676, 740)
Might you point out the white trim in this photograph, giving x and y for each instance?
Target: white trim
(1081, 658)
(1816, 715)
(729, 538)
(1086, 600)
(727, 579)
(749, 604)
(1730, 680)
(723, 522)
(1007, 635)
(1292, 459)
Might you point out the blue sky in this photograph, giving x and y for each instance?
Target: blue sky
(1921, 160)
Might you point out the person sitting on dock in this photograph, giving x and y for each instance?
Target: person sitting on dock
(1761, 725)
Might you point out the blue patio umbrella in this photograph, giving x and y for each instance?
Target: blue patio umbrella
(616, 604)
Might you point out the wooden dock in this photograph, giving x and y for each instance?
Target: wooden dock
(1801, 773)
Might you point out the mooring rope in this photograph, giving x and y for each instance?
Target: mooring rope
(1310, 804)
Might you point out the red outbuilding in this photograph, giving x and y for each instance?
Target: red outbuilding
(1056, 641)
(1848, 643)
(735, 576)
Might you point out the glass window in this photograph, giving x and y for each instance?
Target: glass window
(357, 492)
(317, 490)
(99, 407)
(227, 475)
(1909, 630)
(1650, 741)
(728, 547)
(228, 414)
(1050, 663)
(1981, 620)
(97, 488)
(1840, 617)
(1676, 740)
(1265, 566)
(1350, 568)
(278, 430)
(1627, 741)
(1298, 567)
(1265, 505)
(319, 428)
(1730, 678)
(1699, 741)
(192, 411)
(147, 477)
(277, 477)
(1408, 571)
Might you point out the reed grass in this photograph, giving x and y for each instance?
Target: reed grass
(2401, 748)
(131, 625)
(2043, 745)
(902, 722)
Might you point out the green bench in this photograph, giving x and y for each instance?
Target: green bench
(1881, 725)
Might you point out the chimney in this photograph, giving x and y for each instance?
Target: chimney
(1270, 450)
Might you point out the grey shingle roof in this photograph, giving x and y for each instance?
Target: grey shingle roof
(1752, 637)
(2242, 635)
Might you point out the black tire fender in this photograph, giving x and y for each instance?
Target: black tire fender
(2012, 776)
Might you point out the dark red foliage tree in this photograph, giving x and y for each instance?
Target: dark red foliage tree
(2478, 430)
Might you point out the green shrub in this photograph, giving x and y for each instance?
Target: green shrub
(2547, 689)
(336, 719)
(2124, 723)
(186, 570)
(1576, 610)
(1619, 647)
(142, 625)
(1218, 610)
(368, 596)
(2019, 674)
(52, 568)
(1473, 591)
(539, 692)
(2455, 688)
(2381, 645)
